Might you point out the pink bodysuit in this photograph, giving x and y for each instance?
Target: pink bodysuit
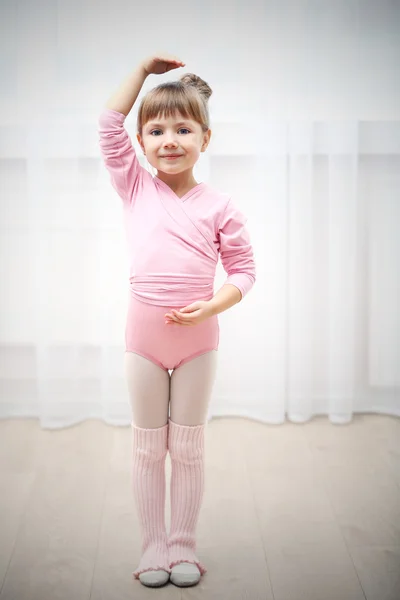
(174, 244)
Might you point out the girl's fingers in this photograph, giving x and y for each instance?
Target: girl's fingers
(179, 323)
(176, 315)
(171, 319)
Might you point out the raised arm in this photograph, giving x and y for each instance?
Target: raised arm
(125, 96)
(115, 144)
(116, 147)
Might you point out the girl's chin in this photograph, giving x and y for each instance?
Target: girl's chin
(170, 167)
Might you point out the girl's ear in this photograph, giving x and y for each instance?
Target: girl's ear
(206, 140)
(139, 139)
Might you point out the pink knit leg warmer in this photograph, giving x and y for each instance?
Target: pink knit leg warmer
(149, 454)
(186, 448)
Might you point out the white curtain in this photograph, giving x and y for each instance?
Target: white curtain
(306, 138)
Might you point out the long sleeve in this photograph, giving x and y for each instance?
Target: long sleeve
(236, 250)
(118, 153)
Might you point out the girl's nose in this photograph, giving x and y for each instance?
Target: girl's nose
(169, 139)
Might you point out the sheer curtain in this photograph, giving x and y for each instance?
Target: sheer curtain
(306, 138)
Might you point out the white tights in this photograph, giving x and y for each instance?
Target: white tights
(183, 396)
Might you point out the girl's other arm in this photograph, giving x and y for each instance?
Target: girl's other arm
(236, 251)
(226, 297)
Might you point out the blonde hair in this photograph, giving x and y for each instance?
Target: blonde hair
(187, 96)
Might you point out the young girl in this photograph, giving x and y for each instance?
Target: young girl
(176, 229)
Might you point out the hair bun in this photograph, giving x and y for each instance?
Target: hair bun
(194, 80)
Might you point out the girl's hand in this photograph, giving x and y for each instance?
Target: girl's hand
(161, 63)
(190, 315)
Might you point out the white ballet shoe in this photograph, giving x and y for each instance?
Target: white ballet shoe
(154, 578)
(185, 574)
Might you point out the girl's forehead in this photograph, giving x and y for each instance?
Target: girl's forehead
(176, 119)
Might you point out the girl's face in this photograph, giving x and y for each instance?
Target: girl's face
(173, 144)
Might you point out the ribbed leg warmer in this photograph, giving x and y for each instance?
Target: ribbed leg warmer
(149, 454)
(186, 448)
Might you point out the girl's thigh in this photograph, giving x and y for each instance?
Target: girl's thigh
(191, 388)
(149, 390)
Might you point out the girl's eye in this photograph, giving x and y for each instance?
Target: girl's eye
(181, 129)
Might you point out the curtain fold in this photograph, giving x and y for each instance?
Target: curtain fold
(306, 138)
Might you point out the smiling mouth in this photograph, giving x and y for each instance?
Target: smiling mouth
(172, 156)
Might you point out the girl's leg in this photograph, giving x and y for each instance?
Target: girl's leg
(148, 387)
(191, 387)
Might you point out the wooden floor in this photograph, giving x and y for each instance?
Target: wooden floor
(290, 512)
